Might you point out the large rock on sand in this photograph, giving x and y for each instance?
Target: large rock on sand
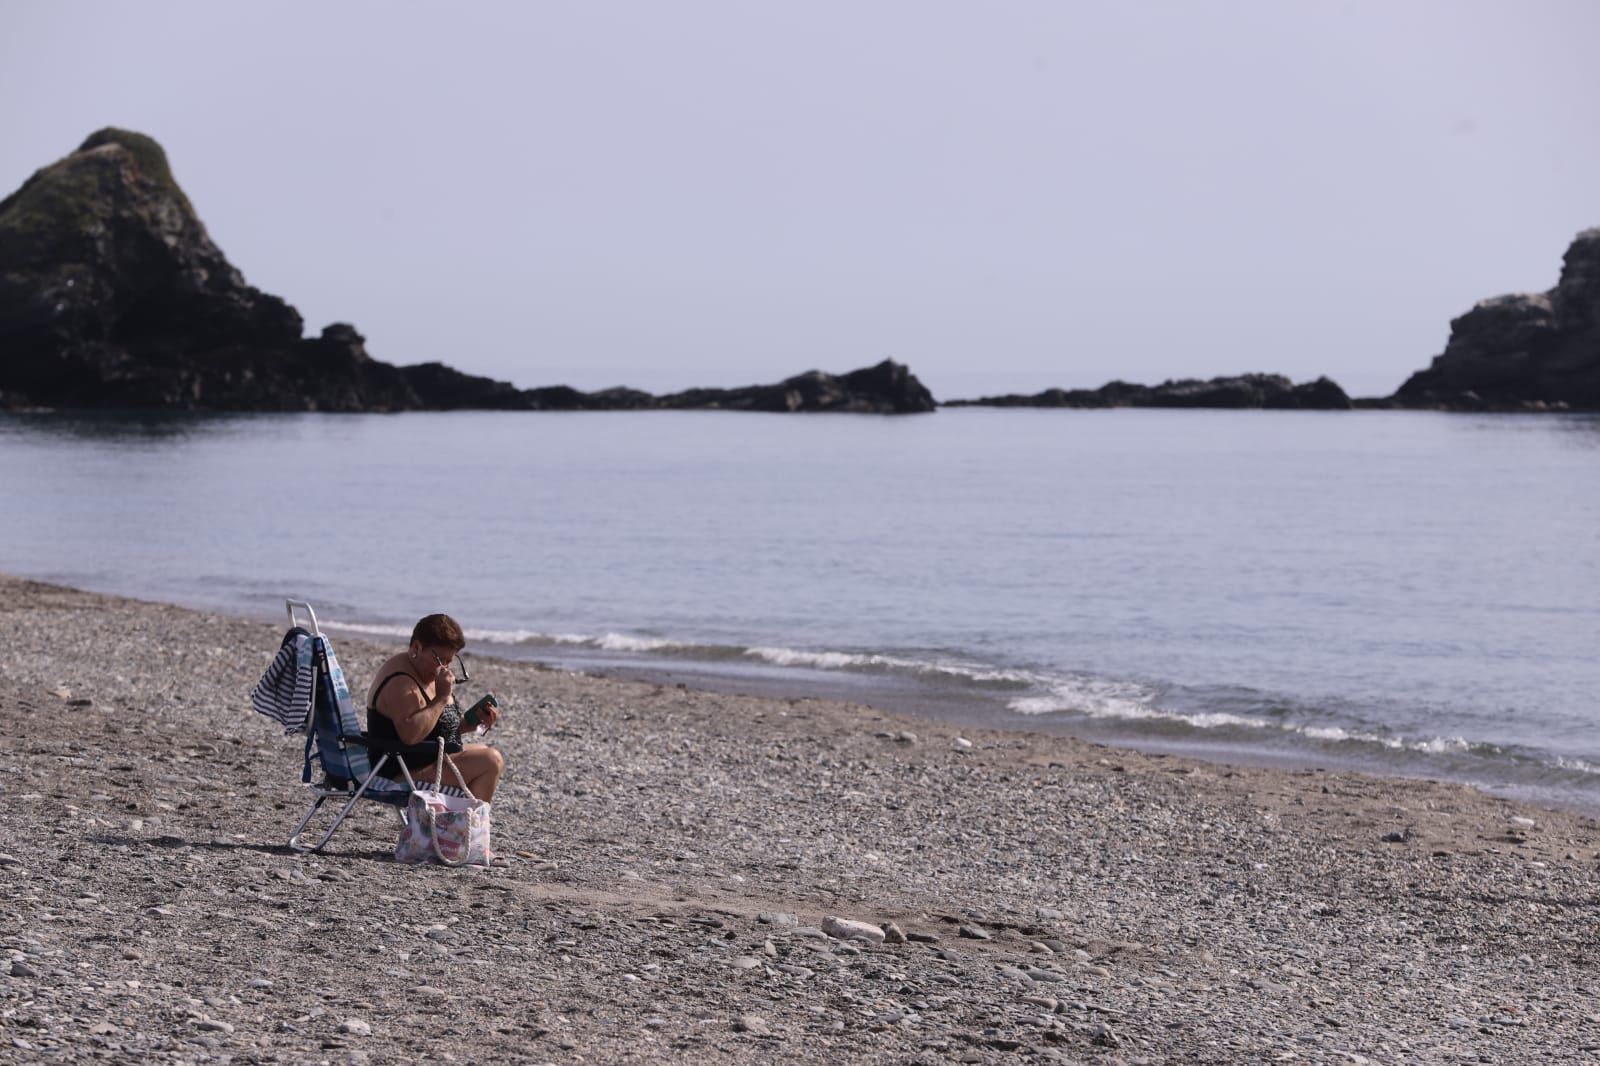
(1529, 351)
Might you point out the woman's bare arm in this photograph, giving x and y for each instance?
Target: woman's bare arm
(413, 714)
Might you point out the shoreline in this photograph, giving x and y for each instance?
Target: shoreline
(677, 852)
(948, 705)
(937, 704)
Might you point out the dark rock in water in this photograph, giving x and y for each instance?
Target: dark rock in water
(1271, 391)
(112, 295)
(888, 388)
(566, 398)
(1537, 351)
(442, 388)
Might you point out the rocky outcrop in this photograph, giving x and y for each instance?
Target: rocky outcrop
(112, 295)
(1533, 351)
(888, 388)
(1270, 391)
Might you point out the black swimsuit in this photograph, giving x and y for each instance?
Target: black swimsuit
(382, 736)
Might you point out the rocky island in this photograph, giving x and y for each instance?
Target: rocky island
(112, 295)
(1522, 352)
(1270, 391)
(1529, 351)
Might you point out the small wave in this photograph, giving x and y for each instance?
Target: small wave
(1581, 766)
(1095, 697)
(508, 636)
(873, 662)
(955, 670)
(819, 660)
(373, 629)
(1443, 745)
(1099, 698)
(484, 636)
(623, 642)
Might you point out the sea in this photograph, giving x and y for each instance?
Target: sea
(1411, 594)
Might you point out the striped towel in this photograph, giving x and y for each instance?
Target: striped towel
(349, 724)
(284, 691)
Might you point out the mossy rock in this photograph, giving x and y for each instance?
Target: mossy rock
(148, 156)
(53, 213)
(61, 209)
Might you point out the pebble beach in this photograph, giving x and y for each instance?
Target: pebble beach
(720, 878)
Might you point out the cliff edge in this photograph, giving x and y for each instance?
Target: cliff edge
(1530, 351)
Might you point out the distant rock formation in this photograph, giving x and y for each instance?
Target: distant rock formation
(1537, 351)
(888, 388)
(1271, 391)
(112, 295)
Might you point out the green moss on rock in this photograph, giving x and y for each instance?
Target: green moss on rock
(63, 209)
(149, 156)
(53, 213)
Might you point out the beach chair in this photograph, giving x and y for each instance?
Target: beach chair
(305, 689)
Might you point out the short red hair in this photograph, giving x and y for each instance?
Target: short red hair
(439, 631)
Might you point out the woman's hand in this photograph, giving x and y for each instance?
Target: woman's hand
(444, 684)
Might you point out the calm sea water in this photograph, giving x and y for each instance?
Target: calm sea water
(1408, 593)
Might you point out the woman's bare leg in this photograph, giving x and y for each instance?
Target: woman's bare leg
(480, 766)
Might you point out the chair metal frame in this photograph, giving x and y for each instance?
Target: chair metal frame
(336, 786)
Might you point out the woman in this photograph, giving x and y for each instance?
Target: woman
(410, 703)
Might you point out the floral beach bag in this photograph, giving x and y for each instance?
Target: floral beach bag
(453, 830)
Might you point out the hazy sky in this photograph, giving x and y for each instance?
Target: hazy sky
(1006, 196)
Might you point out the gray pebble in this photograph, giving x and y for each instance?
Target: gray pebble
(1104, 1036)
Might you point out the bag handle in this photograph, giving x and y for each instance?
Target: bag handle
(428, 815)
(438, 772)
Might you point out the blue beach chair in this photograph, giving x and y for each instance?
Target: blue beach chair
(305, 690)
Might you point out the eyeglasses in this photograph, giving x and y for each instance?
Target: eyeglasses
(460, 660)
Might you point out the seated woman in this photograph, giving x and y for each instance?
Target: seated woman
(410, 703)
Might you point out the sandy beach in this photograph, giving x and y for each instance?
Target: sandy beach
(678, 855)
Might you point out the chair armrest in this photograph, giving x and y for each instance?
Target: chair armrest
(430, 749)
